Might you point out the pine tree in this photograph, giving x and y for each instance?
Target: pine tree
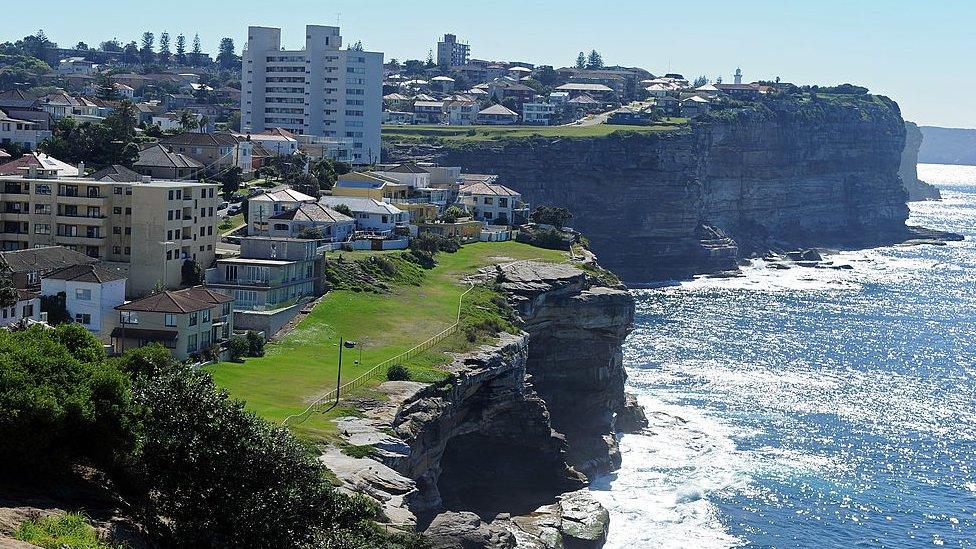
(226, 57)
(180, 49)
(146, 51)
(581, 61)
(164, 53)
(130, 53)
(197, 52)
(594, 61)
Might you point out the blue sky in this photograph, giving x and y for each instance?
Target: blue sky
(918, 52)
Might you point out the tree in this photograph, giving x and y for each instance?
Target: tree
(226, 58)
(343, 209)
(8, 294)
(230, 181)
(188, 120)
(547, 76)
(81, 46)
(180, 49)
(357, 46)
(212, 474)
(255, 344)
(106, 88)
(197, 52)
(61, 404)
(310, 233)
(237, 347)
(594, 60)
(146, 54)
(581, 61)
(551, 215)
(430, 58)
(130, 54)
(164, 53)
(700, 81)
(112, 45)
(191, 273)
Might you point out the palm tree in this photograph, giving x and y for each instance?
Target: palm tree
(188, 121)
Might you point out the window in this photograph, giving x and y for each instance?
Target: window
(42, 188)
(128, 250)
(488, 201)
(128, 211)
(169, 320)
(281, 226)
(116, 250)
(206, 315)
(193, 319)
(171, 194)
(117, 190)
(42, 228)
(191, 343)
(83, 318)
(128, 230)
(117, 210)
(116, 230)
(129, 317)
(82, 294)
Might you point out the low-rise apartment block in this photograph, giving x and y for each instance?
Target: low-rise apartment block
(271, 273)
(147, 228)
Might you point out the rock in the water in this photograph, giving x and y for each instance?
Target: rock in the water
(630, 418)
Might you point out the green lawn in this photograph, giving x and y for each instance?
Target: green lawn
(303, 364)
(70, 531)
(228, 224)
(486, 133)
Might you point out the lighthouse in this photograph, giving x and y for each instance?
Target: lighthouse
(738, 76)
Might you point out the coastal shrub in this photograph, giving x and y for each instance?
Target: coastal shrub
(255, 344)
(485, 313)
(59, 404)
(398, 372)
(237, 348)
(432, 243)
(56, 309)
(70, 530)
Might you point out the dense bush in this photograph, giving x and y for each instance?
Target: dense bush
(398, 372)
(551, 215)
(60, 401)
(431, 243)
(255, 344)
(237, 348)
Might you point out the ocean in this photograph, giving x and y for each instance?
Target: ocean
(810, 407)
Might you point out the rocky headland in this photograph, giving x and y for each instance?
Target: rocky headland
(779, 175)
(917, 189)
(498, 454)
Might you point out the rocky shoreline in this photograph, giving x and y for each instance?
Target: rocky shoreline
(499, 454)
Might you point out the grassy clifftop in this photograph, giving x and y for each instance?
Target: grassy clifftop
(498, 133)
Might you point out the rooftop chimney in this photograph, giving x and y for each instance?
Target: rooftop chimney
(81, 169)
(146, 178)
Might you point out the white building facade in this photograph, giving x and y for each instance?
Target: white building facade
(321, 90)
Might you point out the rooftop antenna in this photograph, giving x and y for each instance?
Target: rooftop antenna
(338, 13)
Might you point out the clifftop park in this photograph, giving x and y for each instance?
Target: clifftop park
(810, 167)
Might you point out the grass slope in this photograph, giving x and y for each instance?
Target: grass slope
(304, 363)
(68, 531)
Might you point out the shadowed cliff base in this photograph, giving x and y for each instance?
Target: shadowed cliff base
(785, 173)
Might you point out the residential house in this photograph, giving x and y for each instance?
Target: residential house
(90, 294)
(60, 105)
(187, 322)
(26, 307)
(77, 66)
(627, 116)
(371, 215)
(216, 151)
(25, 133)
(270, 273)
(443, 84)
(407, 173)
(119, 174)
(397, 102)
(601, 91)
(398, 118)
(428, 112)
(40, 162)
(161, 163)
(262, 207)
(277, 140)
(669, 106)
(370, 184)
(498, 115)
(504, 88)
(311, 221)
(538, 114)
(744, 92)
(28, 267)
(460, 110)
(493, 203)
(694, 106)
(584, 104)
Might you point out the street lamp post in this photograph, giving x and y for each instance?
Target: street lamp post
(348, 345)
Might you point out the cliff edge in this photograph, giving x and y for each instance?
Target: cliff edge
(783, 173)
(499, 453)
(917, 189)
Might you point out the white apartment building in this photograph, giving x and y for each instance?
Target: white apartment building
(537, 114)
(320, 90)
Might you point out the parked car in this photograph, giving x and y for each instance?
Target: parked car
(234, 209)
(222, 205)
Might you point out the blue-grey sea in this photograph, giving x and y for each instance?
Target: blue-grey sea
(810, 407)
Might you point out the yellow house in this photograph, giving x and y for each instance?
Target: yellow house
(368, 185)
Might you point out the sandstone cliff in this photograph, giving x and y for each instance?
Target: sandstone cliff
(785, 173)
(498, 454)
(917, 190)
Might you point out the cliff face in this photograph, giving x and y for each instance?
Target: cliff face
(917, 190)
(497, 454)
(661, 205)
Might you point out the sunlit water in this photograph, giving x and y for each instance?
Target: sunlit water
(810, 407)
